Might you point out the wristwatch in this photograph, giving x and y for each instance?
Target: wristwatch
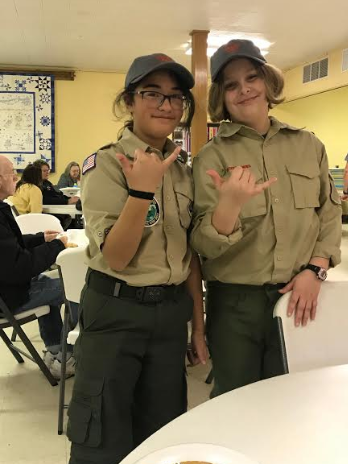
(320, 272)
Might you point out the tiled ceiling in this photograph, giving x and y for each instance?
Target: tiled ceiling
(107, 34)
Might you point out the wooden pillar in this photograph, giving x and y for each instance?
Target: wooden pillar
(199, 65)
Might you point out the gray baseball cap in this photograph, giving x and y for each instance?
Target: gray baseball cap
(237, 48)
(144, 65)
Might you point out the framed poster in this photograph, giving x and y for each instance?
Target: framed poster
(27, 118)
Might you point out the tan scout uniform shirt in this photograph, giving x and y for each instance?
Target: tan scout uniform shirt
(164, 255)
(281, 229)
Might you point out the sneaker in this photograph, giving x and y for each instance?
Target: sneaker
(56, 368)
(48, 358)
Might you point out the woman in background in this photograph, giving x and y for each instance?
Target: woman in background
(70, 177)
(28, 195)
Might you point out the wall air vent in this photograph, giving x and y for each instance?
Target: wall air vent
(316, 70)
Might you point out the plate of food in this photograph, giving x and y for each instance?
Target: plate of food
(70, 191)
(196, 453)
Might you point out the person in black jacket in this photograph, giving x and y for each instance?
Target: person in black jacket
(52, 196)
(23, 259)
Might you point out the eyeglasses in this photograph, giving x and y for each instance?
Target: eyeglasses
(156, 99)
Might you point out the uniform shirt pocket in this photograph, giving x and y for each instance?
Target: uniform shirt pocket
(305, 184)
(184, 199)
(257, 205)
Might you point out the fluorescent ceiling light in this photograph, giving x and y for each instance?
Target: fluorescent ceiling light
(216, 39)
(212, 50)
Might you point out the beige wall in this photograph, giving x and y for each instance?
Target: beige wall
(326, 115)
(320, 106)
(294, 88)
(84, 119)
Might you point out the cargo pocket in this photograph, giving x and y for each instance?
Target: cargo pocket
(305, 183)
(184, 199)
(85, 410)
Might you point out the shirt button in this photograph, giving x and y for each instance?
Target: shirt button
(279, 258)
(171, 256)
(276, 200)
(169, 228)
(168, 197)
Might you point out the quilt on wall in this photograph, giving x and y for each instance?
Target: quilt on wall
(27, 118)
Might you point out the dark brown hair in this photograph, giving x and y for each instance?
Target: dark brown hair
(30, 175)
(125, 97)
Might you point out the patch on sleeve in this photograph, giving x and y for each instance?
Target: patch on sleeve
(89, 163)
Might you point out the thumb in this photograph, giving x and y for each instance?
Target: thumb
(261, 187)
(171, 158)
(215, 177)
(288, 287)
(125, 163)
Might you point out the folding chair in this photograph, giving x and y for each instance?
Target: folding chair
(72, 270)
(32, 224)
(322, 342)
(35, 222)
(12, 206)
(7, 319)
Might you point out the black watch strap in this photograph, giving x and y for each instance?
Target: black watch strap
(140, 194)
(320, 272)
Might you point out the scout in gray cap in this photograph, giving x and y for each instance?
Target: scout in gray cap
(267, 218)
(144, 283)
(237, 48)
(144, 65)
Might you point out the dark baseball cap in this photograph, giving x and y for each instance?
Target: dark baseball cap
(237, 48)
(144, 65)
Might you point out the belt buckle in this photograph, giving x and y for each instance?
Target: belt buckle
(153, 295)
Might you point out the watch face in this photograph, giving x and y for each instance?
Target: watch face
(322, 274)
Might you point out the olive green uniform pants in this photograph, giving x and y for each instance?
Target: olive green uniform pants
(130, 375)
(242, 334)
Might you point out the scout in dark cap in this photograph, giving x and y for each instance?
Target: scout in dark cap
(144, 283)
(267, 218)
(237, 48)
(144, 65)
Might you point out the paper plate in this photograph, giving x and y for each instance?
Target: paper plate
(203, 452)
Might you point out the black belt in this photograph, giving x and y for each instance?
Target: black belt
(103, 283)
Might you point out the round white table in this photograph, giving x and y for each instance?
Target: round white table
(293, 419)
(62, 209)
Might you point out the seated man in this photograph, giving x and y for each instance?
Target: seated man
(52, 196)
(22, 286)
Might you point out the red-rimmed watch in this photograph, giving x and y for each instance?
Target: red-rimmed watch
(320, 272)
